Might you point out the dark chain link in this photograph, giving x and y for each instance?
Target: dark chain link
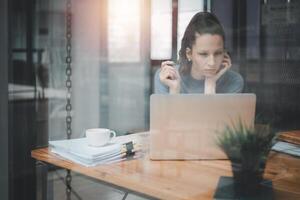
(69, 87)
(69, 68)
(68, 181)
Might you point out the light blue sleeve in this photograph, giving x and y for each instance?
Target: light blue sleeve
(230, 82)
(159, 87)
(238, 85)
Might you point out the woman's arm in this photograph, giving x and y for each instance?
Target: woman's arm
(170, 77)
(210, 82)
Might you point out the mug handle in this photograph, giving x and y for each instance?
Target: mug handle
(112, 134)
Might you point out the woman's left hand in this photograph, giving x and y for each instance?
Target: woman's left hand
(226, 64)
(210, 82)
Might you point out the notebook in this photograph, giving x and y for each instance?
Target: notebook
(185, 126)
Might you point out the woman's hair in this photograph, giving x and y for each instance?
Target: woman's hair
(201, 23)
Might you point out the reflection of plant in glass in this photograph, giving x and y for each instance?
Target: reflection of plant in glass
(247, 148)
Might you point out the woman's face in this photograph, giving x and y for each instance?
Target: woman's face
(207, 54)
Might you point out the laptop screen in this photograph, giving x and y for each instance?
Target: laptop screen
(184, 126)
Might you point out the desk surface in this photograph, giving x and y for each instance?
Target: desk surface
(180, 179)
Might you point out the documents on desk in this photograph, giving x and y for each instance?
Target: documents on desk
(287, 148)
(289, 143)
(78, 151)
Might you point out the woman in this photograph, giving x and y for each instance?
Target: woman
(204, 65)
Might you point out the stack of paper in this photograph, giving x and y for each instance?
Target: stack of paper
(288, 142)
(287, 148)
(78, 150)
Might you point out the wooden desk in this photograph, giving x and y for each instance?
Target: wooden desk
(180, 179)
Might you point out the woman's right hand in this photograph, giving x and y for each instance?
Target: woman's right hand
(169, 76)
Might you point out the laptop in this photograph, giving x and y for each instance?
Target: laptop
(185, 126)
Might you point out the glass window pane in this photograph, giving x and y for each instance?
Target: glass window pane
(161, 29)
(186, 10)
(124, 31)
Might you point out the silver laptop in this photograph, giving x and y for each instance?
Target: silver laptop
(185, 126)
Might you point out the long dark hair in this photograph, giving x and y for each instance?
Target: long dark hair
(201, 23)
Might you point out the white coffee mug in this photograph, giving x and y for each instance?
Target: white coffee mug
(97, 137)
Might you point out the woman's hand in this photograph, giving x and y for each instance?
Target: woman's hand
(169, 76)
(210, 82)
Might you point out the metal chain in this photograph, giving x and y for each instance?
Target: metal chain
(68, 178)
(69, 68)
(68, 181)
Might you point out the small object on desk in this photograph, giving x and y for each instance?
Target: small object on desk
(98, 137)
(128, 148)
(78, 150)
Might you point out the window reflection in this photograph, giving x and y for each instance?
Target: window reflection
(124, 30)
(185, 13)
(161, 29)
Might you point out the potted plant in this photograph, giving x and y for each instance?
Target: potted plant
(247, 148)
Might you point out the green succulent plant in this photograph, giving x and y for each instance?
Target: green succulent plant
(248, 146)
